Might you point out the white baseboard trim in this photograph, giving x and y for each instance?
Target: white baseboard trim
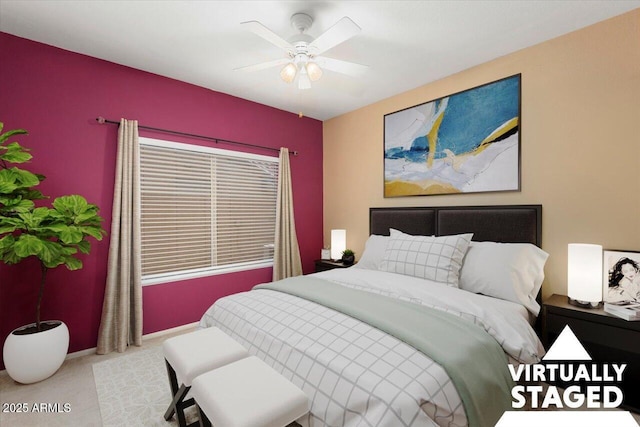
(146, 337)
(152, 335)
(81, 353)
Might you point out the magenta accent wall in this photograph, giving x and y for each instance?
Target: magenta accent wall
(56, 96)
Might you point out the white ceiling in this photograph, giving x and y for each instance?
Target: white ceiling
(406, 44)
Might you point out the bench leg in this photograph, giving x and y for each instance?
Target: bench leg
(204, 421)
(177, 404)
(173, 384)
(173, 379)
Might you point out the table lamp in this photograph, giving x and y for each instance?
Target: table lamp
(584, 275)
(338, 243)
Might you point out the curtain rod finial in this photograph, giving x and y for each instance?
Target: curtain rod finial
(100, 120)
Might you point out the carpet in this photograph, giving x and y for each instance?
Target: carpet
(133, 390)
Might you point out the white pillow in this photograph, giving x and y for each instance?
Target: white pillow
(509, 271)
(428, 257)
(373, 252)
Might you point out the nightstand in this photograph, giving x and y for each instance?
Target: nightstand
(607, 339)
(326, 264)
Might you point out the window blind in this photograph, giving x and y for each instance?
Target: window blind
(204, 210)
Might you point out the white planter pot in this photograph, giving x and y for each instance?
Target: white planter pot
(34, 357)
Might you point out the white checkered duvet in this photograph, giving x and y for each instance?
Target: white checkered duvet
(355, 374)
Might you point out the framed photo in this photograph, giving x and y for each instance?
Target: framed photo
(621, 281)
(467, 142)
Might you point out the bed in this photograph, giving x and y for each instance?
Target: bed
(339, 334)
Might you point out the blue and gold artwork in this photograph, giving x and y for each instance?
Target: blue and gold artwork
(464, 143)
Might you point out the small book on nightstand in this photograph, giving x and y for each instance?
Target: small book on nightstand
(628, 310)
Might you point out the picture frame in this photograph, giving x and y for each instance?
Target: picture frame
(466, 142)
(621, 276)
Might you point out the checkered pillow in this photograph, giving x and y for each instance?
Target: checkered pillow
(429, 257)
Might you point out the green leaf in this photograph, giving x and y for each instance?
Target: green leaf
(87, 217)
(32, 194)
(51, 252)
(26, 178)
(69, 250)
(56, 227)
(10, 222)
(71, 235)
(10, 257)
(12, 200)
(18, 177)
(27, 245)
(33, 219)
(53, 264)
(41, 213)
(7, 229)
(93, 231)
(73, 263)
(84, 246)
(7, 181)
(54, 215)
(70, 205)
(14, 153)
(18, 206)
(11, 133)
(7, 241)
(16, 156)
(7, 187)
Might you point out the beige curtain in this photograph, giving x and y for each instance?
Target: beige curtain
(286, 255)
(121, 323)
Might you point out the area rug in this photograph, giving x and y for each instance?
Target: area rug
(133, 390)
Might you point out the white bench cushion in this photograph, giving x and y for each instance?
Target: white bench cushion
(248, 393)
(197, 352)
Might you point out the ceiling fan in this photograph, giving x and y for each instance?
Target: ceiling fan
(303, 58)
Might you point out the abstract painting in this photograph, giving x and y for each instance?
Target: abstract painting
(467, 142)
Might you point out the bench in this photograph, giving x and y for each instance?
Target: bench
(247, 393)
(193, 354)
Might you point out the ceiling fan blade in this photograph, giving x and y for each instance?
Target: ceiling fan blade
(263, 65)
(262, 31)
(339, 66)
(341, 31)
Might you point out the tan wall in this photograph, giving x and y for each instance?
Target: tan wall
(580, 144)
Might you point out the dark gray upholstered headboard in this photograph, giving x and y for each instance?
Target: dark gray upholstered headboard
(506, 224)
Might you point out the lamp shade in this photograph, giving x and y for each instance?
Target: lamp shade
(338, 243)
(288, 73)
(314, 71)
(584, 273)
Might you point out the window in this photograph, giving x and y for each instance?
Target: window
(204, 210)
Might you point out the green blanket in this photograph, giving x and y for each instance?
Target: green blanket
(482, 379)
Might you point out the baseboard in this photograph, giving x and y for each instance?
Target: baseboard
(170, 331)
(146, 337)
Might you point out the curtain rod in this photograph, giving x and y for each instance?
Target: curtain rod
(102, 121)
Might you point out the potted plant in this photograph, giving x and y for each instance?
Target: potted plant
(348, 257)
(53, 235)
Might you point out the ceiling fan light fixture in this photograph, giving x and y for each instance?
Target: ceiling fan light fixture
(314, 71)
(288, 73)
(302, 62)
